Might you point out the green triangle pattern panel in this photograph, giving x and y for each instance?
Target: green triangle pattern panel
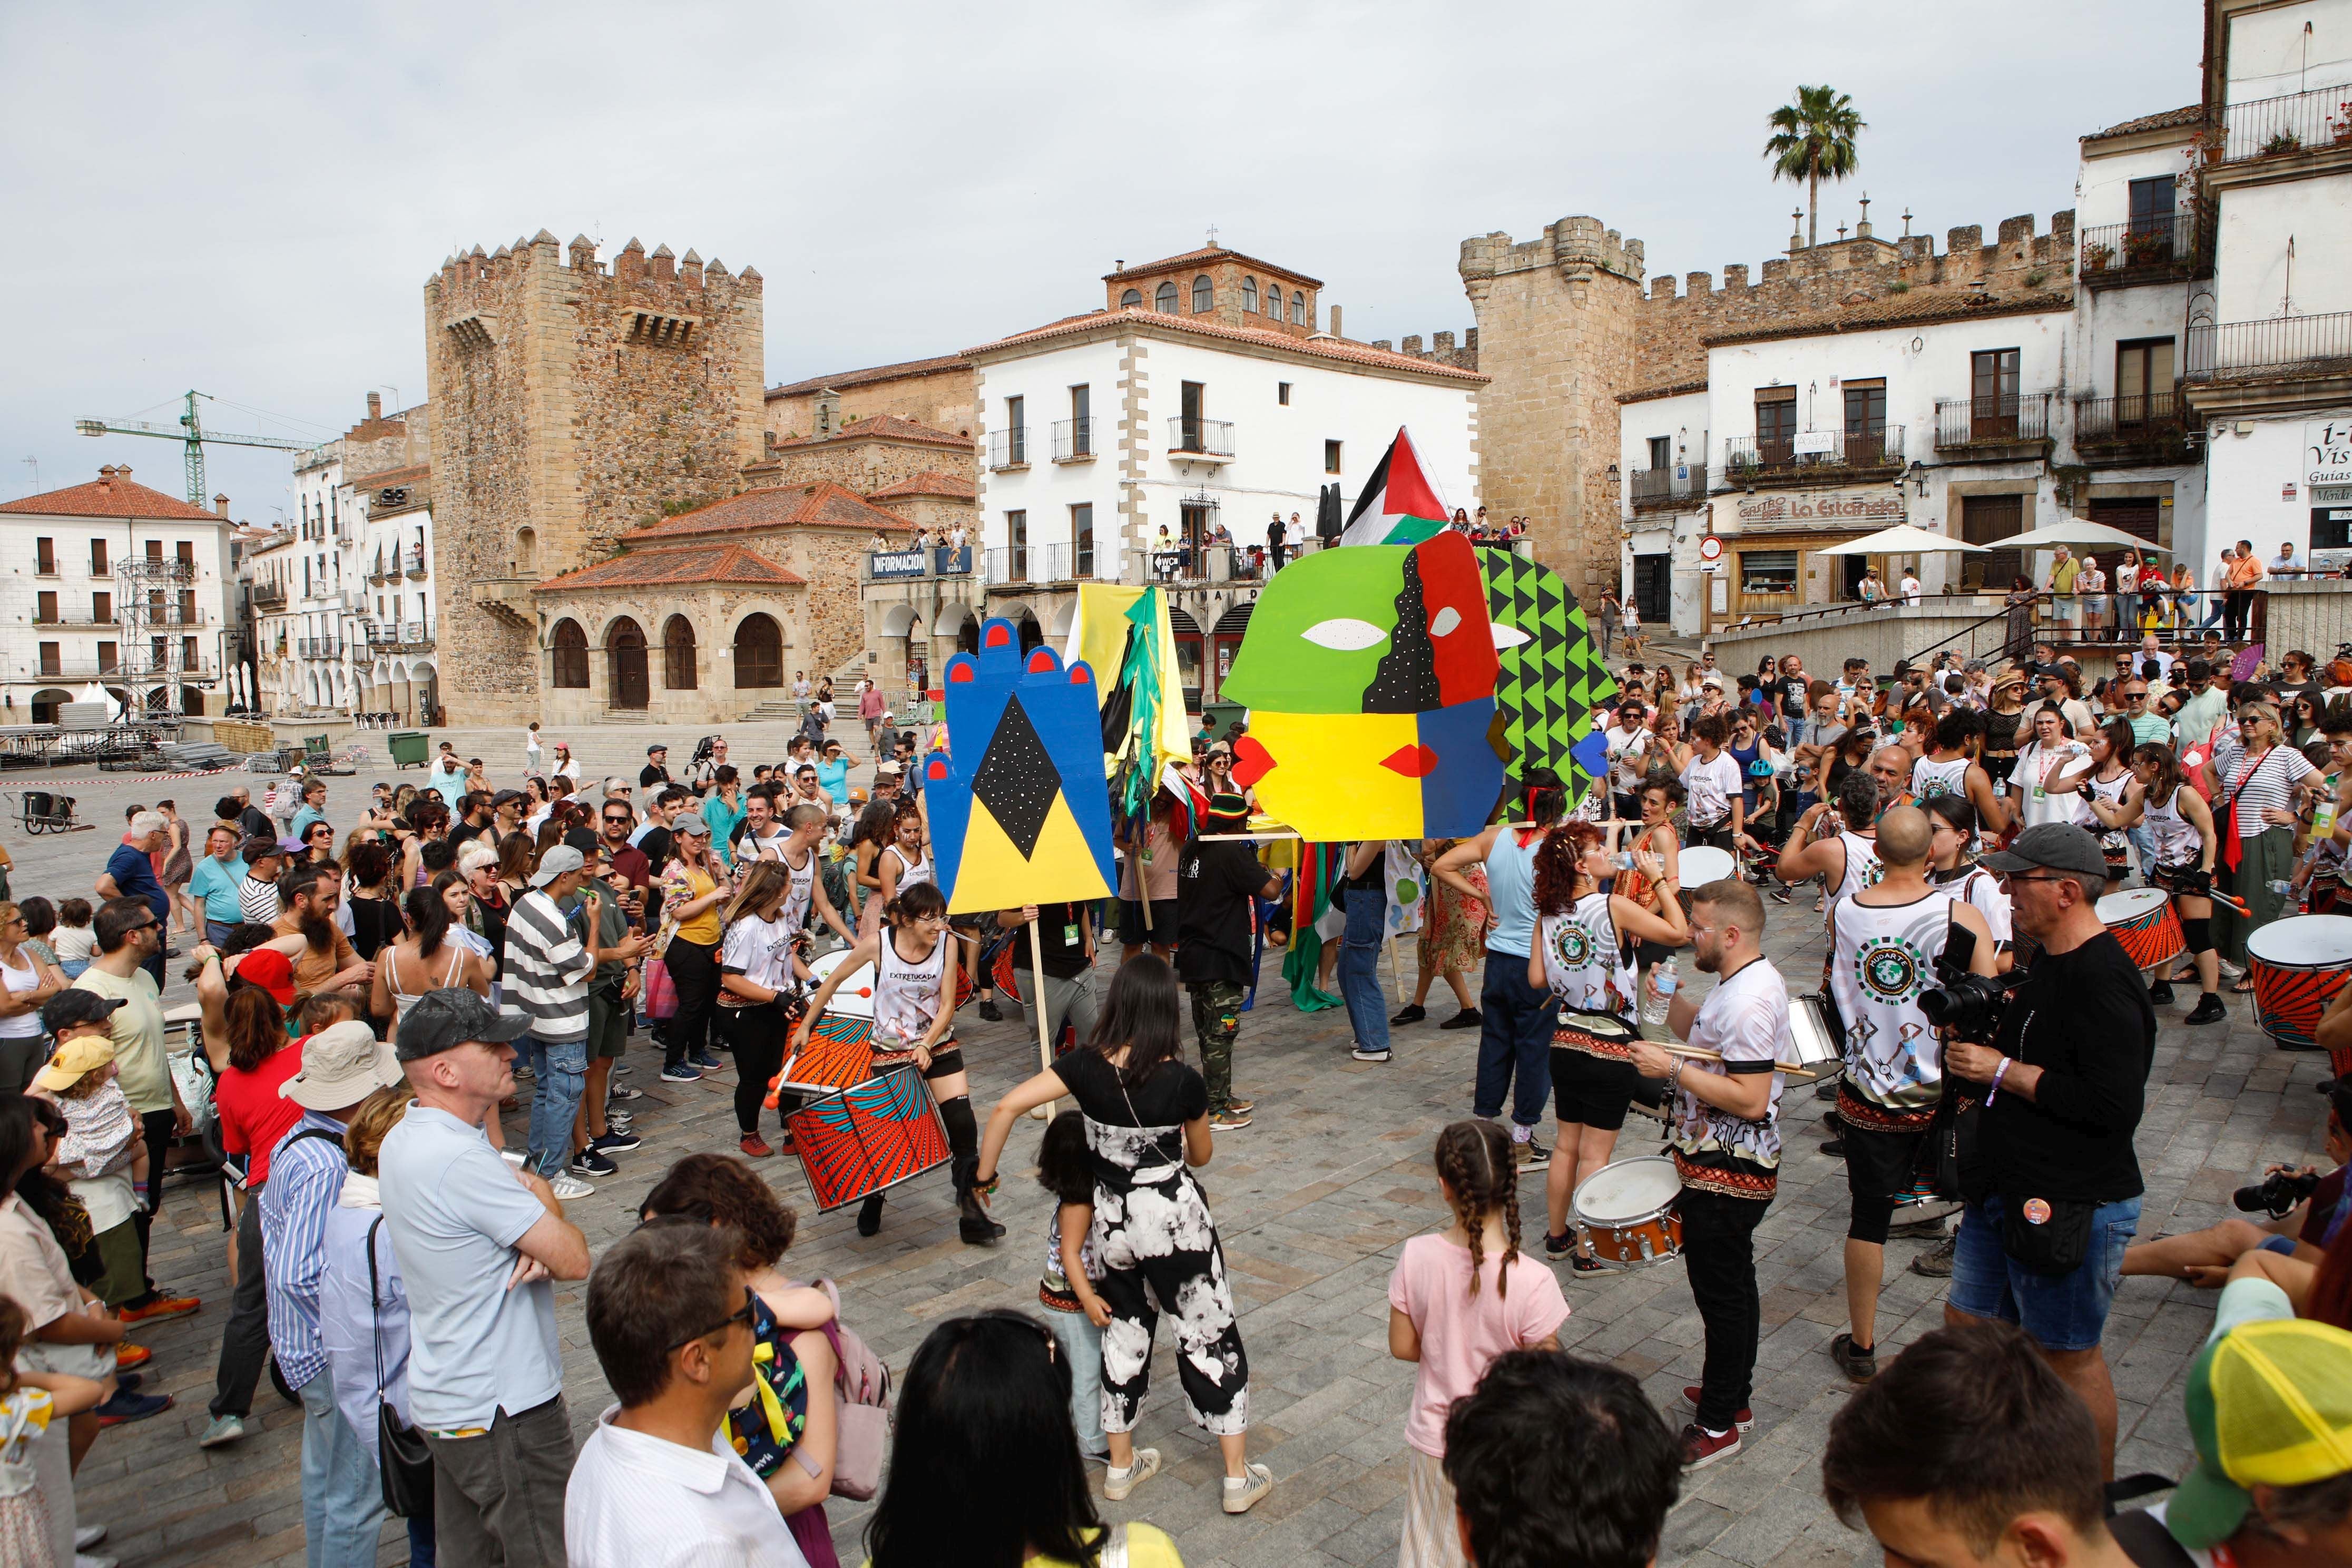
(1550, 685)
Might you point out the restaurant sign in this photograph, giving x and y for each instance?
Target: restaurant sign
(1825, 508)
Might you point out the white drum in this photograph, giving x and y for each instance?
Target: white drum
(1702, 864)
(855, 997)
(1626, 1212)
(1816, 1044)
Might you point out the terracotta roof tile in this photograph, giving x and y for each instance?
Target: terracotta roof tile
(676, 568)
(822, 505)
(2171, 119)
(850, 378)
(1651, 394)
(1320, 347)
(1915, 308)
(1206, 254)
(930, 482)
(408, 476)
(111, 497)
(882, 427)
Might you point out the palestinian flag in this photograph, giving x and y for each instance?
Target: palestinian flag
(1400, 504)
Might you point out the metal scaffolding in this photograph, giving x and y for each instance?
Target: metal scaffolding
(154, 601)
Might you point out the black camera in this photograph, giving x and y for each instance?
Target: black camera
(1969, 1005)
(2276, 1193)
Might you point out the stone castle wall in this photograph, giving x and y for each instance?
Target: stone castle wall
(864, 467)
(942, 399)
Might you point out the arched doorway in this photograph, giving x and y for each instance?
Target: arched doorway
(759, 652)
(678, 654)
(45, 703)
(1188, 652)
(1032, 634)
(967, 636)
(624, 650)
(426, 691)
(570, 645)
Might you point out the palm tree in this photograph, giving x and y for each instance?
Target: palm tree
(1812, 139)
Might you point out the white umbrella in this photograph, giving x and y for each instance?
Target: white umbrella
(1902, 540)
(2080, 530)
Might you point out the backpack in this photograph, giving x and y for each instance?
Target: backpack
(862, 1442)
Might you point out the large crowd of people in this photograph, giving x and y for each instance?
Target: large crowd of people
(415, 1009)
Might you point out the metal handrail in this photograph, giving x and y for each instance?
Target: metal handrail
(1744, 455)
(1993, 421)
(1200, 438)
(2290, 123)
(1009, 448)
(2267, 344)
(2114, 249)
(1074, 438)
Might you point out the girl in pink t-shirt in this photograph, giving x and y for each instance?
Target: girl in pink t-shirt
(1456, 1301)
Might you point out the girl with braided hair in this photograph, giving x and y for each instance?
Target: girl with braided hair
(1457, 1300)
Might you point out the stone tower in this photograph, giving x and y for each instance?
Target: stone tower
(570, 404)
(1558, 330)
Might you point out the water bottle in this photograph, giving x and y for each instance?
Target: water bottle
(2279, 888)
(1664, 981)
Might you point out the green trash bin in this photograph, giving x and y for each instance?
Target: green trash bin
(1222, 714)
(411, 748)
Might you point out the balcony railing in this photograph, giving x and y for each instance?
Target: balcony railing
(383, 636)
(2144, 417)
(268, 597)
(107, 669)
(1073, 439)
(417, 633)
(319, 647)
(1042, 563)
(1200, 438)
(1749, 457)
(415, 559)
(1999, 421)
(2267, 345)
(69, 619)
(1009, 448)
(2144, 248)
(2281, 127)
(1659, 486)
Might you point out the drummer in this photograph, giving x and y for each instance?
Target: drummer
(1580, 958)
(1659, 799)
(1952, 826)
(1883, 944)
(1847, 859)
(1953, 766)
(2107, 791)
(2186, 842)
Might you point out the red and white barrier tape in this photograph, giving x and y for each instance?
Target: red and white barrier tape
(7, 783)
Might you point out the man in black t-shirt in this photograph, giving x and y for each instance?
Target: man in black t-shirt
(1066, 935)
(2052, 1185)
(656, 769)
(1218, 882)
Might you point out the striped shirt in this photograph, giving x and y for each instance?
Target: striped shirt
(547, 968)
(2267, 784)
(257, 900)
(306, 1178)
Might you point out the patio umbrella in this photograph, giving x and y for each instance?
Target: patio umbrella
(2080, 530)
(1903, 540)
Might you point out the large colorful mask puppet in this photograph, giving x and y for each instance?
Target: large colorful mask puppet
(1369, 676)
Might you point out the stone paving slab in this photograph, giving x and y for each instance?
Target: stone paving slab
(1312, 1202)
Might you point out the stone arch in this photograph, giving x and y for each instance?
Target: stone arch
(898, 620)
(424, 692)
(1032, 634)
(46, 701)
(570, 645)
(1064, 614)
(967, 634)
(678, 654)
(626, 681)
(525, 558)
(759, 651)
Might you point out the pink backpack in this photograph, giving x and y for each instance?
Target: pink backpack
(861, 1441)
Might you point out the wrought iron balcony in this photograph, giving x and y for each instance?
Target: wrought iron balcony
(1199, 438)
(2282, 126)
(2005, 420)
(1009, 448)
(1662, 487)
(268, 596)
(1815, 454)
(1017, 564)
(2146, 427)
(416, 561)
(2275, 345)
(1073, 439)
(2143, 250)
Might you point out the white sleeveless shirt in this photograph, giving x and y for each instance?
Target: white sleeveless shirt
(2178, 842)
(911, 871)
(907, 993)
(1862, 867)
(1881, 959)
(1583, 961)
(794, 914)
(1930, 779)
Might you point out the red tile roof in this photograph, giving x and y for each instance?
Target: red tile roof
(676, 568)
(930, 482)
(883, 427)
(1651, 394)
(1913, 309)
(1206, 254)
(1322, 346)
(2171, 119)
(821, 505)
(112, 496)
(850, 378)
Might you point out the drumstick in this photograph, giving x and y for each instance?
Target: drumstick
(2218, 897)
(1701, 1054)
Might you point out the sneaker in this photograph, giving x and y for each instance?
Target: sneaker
(1413, 1013)
(1860, 1365)
(1936, 1263)
(222, 1431)
(1743, 1420)
(682, 1073)
(991, 1011)
(1244, 1105)
(1256, 1481)
(1926, 1225)
(1530, 1155)
(91, 1560)
(127, 1356)
(1117, 1486)
(1702, 1448)
(567, 1187)
(1366, 1053)
(620, 1092)
(620, 1120)
(754, 1145)
(2160, 993)
(1468, 1018)
(588, 1162)
(619, 1141)
(88, 1536)
(2208, 1010)
(621, 1068)
(124, 1407)
(1559, 1246)
(159, 1306)
(1227, 1120)
(708, 1063)
(1826, 1090)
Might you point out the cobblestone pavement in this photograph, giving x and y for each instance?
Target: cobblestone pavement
(1312, 1202)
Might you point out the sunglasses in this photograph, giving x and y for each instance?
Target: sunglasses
(740, 1315)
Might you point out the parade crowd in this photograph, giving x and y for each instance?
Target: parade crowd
(416, 1007)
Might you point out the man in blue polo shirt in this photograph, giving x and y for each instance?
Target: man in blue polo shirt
(215, 881)
(131, 874)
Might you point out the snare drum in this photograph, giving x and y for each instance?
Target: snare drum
(1625, 1211)
(2143, 921)
(1702, 864)
(1816, 1043)
(2298, 966)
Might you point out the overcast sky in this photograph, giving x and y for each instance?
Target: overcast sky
(247, 199)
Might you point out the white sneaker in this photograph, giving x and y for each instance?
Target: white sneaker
(88, 1536)
(567, 1187)
(1147, 1465)
(1256, 1481)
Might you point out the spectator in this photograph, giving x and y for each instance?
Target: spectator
(131, 874)
(1066, 935)
(26, 983)
(549, 962)
(1218, 883)
(2054, 1141)
(477, 1244)
(984, 1466)
(1363, 897)
(2238, 600)
(342, 1497)
(1910, 591)
(72, 938)
(313, 807)
(2063, 570)
(1593, 1492)
(236, 809)
(323, 957)
(656, 768)
(1609, 612)
(254, 1115)
(692, 896)
(213, 882)
(2266, 783)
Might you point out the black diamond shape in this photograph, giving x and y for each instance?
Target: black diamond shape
(1017, 780)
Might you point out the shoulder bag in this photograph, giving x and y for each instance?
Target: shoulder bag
(861, 1446)
(2233, 847)
(404, 1464)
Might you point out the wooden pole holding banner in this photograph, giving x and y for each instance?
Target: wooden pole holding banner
(1396, 966)
(1037, 1008)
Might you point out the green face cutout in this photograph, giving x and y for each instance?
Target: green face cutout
(1320, 631)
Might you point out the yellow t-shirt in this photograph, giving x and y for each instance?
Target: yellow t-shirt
(1148, 1546)
(138, 1026)
(681, 884)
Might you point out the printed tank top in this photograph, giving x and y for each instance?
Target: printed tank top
(1881, 959)
(1583, 961)
(907, 992)
(2178, 842)
(1930, 779)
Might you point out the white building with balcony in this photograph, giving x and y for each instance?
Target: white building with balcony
(112, 586)
(1142, 443)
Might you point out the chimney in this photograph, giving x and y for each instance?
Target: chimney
(375, 406)
(106, 476)
(122, 472)
(1335, 324)
(220, 501)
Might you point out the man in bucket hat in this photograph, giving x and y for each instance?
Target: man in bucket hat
(342, 1498)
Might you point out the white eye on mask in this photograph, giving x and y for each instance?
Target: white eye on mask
(1344, 634)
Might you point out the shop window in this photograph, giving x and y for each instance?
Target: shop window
(1768, 571)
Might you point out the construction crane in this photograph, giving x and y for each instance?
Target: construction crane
(190, 431)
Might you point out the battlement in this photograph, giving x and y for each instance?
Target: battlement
(1440, 350)
(1577, 247)
(467, 280)
(2020, 247)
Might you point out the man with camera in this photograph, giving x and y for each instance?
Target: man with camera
(1884, 942)
(2050, 1180)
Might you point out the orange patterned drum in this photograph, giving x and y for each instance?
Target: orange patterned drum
(1626, 1210)
(2143, 921)
(2298, 965)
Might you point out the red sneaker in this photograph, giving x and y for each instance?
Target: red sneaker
(159, 1308)
(1745, 1421)
(127, 1356)
(755, 1146)
(1700, 1450)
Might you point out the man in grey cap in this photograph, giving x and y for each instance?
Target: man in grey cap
(478, 1244)
(2056, 1184)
